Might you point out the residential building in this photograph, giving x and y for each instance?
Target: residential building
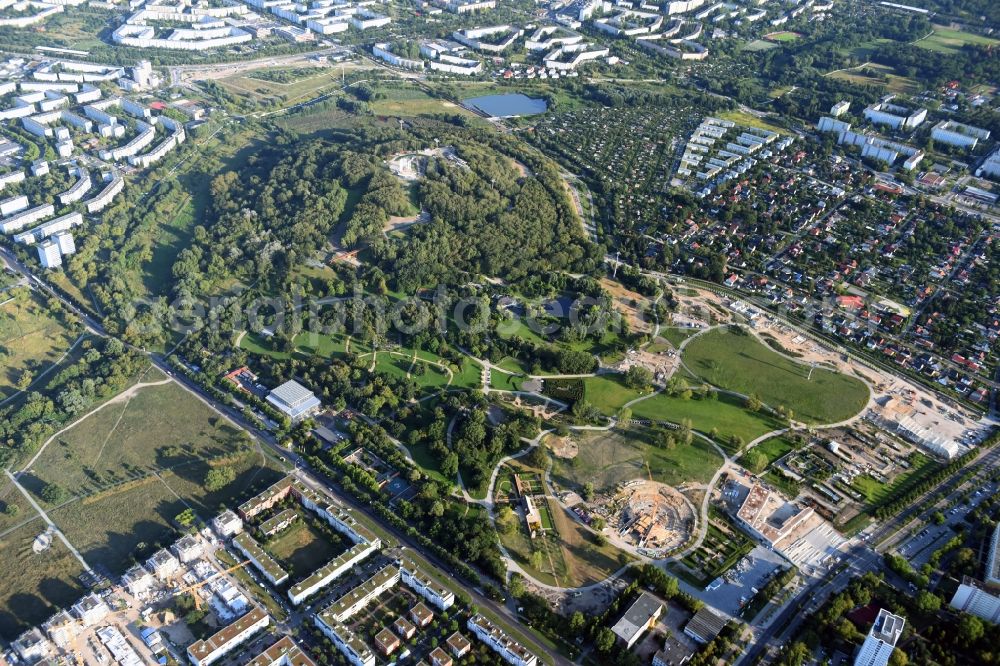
(260, 558)
(356, 599)
(639, 617)
(49, 255)
(426, 586)
(91, 610)
(13, 205)
(992, 576)
(187, 548)
(227, 524)
(440, 658)
(975, 599)
(277, 523)
(404, 627)
(881, 640)
(840, 108)
(387, 642)
(224, 641)
(509, 650)
(345, 640)
(283, 653)
(959, 134)
(32, 646)
(673, 653)
(62, 628)
(332, 570)
(421, 615)
(894, 115)
(138, 581)
(459, 645)
(162, 564)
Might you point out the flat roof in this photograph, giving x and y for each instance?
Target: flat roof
(381, 577)
(637, 617)
(501, 637)
(272, 523)
(293, 394)
(263, 558)
(330, 567)
(224, 636)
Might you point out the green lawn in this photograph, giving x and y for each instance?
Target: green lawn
(774, 448)
(504, 382)
(726, 414)
(738, 362)
(676, 335)
(608, 393)
(607, 458)
(946, 40)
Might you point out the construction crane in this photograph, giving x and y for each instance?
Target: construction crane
(192, 588)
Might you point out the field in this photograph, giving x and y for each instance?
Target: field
(725, 414)
(34, 585)
(607, 458)
(405, 100)
(128, 469)
(876, 492)
(738, 362)
(873, 74)
(32, 338)
(750, 120)
(760, 45)
(946, 40)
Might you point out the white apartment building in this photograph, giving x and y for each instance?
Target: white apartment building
(224, 641)
(881, 640)
(509, 650)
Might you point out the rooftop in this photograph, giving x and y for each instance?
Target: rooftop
(705, 624)
(637, 617)
(284, 653)
(226, 635)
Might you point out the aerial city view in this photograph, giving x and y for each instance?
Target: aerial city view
(499, 332)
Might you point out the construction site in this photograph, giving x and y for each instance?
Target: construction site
(650, 518)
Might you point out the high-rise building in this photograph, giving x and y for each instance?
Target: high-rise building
(49, 254)
(881, 640)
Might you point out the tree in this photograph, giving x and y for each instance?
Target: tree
(638, 377)
(753, 403)
(54, 494)
(970, 629)
(506, 520)
(537, 560)
(605, 640)
(218, 478)
(449, 465)
(516, 585)
(928, 602)
(577, 623)
(597, 523)
(755, 461)
(587, 491)
(898, 658)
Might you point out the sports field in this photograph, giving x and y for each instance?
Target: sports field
(607, 458)
(32, 338)
(736, 361)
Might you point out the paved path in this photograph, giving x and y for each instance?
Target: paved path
(52, 526)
